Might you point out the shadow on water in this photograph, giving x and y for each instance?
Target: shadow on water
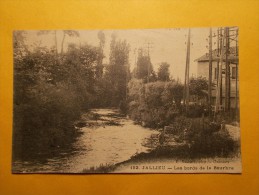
(104, 137)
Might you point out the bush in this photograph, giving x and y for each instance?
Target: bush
(195, 111)
(210, 145)
(153, 104)
(204, 138)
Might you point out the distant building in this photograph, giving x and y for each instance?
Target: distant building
(203, 71)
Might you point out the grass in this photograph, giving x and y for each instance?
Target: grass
(107, 168)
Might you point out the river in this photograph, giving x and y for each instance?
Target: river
(109, 139)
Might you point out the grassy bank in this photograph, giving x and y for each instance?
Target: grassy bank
(206, 149)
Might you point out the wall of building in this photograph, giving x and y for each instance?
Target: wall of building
(203, 71)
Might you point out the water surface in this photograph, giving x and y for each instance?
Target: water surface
(109, 139)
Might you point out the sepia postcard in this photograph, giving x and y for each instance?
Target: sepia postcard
(126, 101)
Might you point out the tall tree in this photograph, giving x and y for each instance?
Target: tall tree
(163, 72)
(99, 68)
(144, 69)
(117, 71)
(70, 33)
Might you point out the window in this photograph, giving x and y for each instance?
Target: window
(215, 73)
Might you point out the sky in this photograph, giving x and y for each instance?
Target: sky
(168, 45)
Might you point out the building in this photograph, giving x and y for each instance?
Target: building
(203, 71)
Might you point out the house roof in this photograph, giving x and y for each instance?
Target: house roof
(215, 57)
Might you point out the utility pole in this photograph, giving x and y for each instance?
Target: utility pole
(56, 47)
(221, 46)
(236, 73)
(148, 68)
(218, 52)
(210, 72)
(227, 72)
(186, 83)
(149, 46)
(219, 88)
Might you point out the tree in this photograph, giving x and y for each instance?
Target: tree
(99, 68)
(144, 69)
(198, 86)
(174, 92)
(117, 72)
(70, 33)
(163, 72)
(48, 95)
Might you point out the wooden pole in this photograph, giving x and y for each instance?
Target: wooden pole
(186, 84)
(218, 93)
(227, 73)
(236, 74)
(218, 52)
(210, 72)
(148, 68)
(221, 53)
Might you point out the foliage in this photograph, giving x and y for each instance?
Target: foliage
(197, 85)
(99, 67)
(144, 69)
(19, 46)
(70, 33)
(52, 88)
(196, 110)
(117, 72)
(49, 94)
(163, 72)
(153, 104)
(174, 91)
(203, 137)
(207, 139)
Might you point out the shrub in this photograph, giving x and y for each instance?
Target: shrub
(206, 138)
(195, 111)
(153, 104)
(203, 137)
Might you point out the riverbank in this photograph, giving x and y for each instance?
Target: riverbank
(151, 164)
(165, 159)
(173, 153)
(168, 155)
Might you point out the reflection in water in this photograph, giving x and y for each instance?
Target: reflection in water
(110, 139)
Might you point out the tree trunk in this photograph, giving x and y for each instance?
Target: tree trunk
(62, 43)
(56, 43)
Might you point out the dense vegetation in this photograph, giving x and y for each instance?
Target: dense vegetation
(154, 104)
(51, 89)
(158, 104)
